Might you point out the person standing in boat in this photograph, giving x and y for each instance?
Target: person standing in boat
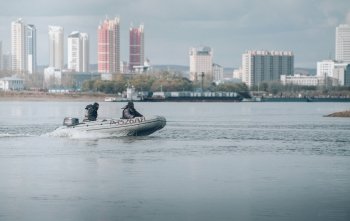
(130, 112)
(91, 112)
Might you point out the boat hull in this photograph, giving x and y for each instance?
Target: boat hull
(139, 126)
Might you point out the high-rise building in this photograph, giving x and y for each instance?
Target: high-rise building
(31, 48)
(85, 52)
(74, 50)
(334, 69)
(18, 46)
(56, 43)
(136, 47)
(325, 68)
(108, 47)
(218, 73)
(342, 43)
(201, 63)
(23, 47)
(265, 66)
(6, 61)
(1, 60)
(78, 52)
(341, 73)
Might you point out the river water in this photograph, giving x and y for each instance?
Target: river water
(212, 161)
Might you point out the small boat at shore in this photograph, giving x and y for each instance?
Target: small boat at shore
(138, 126)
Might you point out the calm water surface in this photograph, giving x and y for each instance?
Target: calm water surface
(213, 161)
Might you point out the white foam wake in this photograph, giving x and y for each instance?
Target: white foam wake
(15, 135)
(76, 134)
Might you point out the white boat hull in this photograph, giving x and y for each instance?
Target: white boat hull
(139, 126)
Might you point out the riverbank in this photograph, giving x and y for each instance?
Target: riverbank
(339, 114)
(45, 96)
(306, 99)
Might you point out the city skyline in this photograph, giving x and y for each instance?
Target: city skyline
(229, 27)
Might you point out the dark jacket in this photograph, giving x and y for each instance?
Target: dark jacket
(91, 112)
(130, 112)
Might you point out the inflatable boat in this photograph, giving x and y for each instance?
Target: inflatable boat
(138, 126)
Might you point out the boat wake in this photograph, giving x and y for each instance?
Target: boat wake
(76, 134)
(13, 131)
(9, 135)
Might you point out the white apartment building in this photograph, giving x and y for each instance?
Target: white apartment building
(264, 66)
(11, 83)
(334, 69)
(1, 59)
(85, 52)
(23, 47)
(201, 63)
(78, 52)
(31, 48)
(74, 51)
(218, 73)
(18, 46)
(56, 50)
(342, 43)
(303, 80)
(52, 77)
(325, 68)
(341, 72)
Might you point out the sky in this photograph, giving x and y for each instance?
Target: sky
(229, 27)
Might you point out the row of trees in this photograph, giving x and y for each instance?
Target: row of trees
(163, 81)
(277, 88)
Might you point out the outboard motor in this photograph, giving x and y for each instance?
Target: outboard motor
(70, 121)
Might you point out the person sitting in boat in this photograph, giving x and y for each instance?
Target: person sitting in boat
(130, 112)
(91, 112)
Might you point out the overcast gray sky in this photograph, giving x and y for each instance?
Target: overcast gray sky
(230, 27)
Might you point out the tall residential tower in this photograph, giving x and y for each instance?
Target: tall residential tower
(85, 46)
(18, 46)
(1, 60)
(78, 52)
(264, 66)
(136, 47)
(31, 48)
(201, 63)
(108, 46)
(342, 43)
(56, 47)
(23, 47)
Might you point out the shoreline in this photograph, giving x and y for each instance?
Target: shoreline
(45, 96)
(100, 97)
